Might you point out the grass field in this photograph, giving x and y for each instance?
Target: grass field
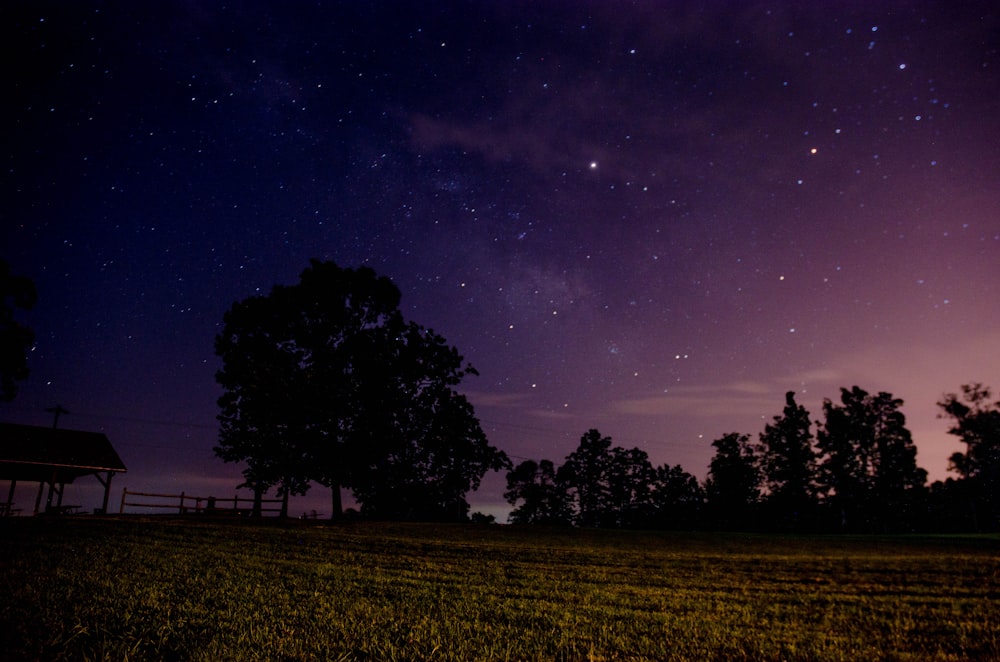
(169, 589)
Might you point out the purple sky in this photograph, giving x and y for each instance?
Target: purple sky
(649, 221)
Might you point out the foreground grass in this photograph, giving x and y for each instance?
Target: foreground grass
(140, 589)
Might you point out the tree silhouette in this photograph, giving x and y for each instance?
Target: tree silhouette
(678, 498)
(259, 419)
(324, 381)
(732, 488)
(287, 375)
(868, 467)
(611, 486)
(631, 479)
(541, 493)
(859, 475)
(421, 448)
(788, 468)
(15, 338)
(586, 475)
(976, 421)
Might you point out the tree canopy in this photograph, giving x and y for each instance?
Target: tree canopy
(732, 488)
(602, 485)
(976, 421)
(325, 381)
(868, 468)
(788, 466)
(541, 493)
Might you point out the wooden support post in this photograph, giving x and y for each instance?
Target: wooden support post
(121, 509)
(38, 499)
(10, 495)
(107, 493)
(52, 489)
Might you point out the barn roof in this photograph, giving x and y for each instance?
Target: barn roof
(32, 453)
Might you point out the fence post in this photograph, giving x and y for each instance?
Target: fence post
(121, 508)
(236, 504)
(181, 511)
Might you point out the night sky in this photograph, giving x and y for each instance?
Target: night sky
(650, 218)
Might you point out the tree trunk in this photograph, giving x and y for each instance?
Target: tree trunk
(337, 506)
(258, 497)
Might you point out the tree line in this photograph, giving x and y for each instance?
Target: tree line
(325, 382)
(853, 471)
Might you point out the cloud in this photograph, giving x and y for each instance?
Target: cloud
(816, 376)
(488, 400)
(579, 130)
(504, 143)
(918, 373)
(524, 404)
(703, 401)
(552, 414)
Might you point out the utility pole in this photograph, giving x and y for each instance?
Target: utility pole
(57, 410)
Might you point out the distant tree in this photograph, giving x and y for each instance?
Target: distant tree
(538, 492)
(324, 381)
(868, 470)
(678, 498)
(953, 507)
(586, 473)
(788, 467)
(600, 485)
(611, 486)
(482, 518)
(15, 338)
(976, 421)
(630, 479)
(732, 488)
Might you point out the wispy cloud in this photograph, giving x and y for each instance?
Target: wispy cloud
(523, 406)
(706, 402)
(728, 399)
(488, 400)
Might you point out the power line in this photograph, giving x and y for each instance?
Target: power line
(150, 421)
(518, 426)
(124, 419)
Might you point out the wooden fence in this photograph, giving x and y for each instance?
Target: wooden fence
(186, 504)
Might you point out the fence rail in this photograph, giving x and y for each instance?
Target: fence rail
(186, 504)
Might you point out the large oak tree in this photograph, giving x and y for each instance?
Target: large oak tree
(324, 381)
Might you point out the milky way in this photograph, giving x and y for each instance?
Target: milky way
(649, 221)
